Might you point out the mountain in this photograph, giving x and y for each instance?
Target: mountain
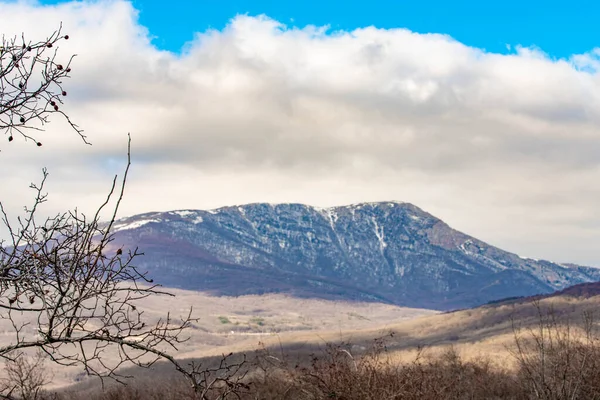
(391, 251)
(580, 291)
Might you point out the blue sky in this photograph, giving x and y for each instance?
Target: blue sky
(559, 28)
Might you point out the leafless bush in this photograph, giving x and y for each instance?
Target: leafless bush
(556, 360)
(336, 373)
(25, 377)
(222, 381)
(223, 378)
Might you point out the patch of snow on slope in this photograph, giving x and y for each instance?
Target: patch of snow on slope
(528, 258)
(537, 260)
(134, 224)
(381, 237)
(396, 203)
(379, 234)
(333, 217)
(183, 213)
(330, 214)
(464, 245)
(242, 212)
(463, 248)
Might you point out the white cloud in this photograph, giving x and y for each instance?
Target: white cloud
(504, 147)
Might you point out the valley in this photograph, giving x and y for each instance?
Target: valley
(226, 324)
(482, 333)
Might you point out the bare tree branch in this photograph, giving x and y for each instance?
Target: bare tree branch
(65, 288)
(31, 85)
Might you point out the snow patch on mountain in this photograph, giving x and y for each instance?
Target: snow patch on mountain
(391, 250)
(184, 213)
(380, 235)
(134, 225)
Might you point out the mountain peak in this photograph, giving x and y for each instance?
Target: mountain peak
(391, 251)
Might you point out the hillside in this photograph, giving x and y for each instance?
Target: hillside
(391, 252)
(487, 331)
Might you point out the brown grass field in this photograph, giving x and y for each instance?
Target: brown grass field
(291, 330)
(228, 324)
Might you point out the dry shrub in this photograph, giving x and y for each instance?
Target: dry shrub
(25, 377)
(144, 389)
(337, 374)
(557, 360)
(554, 361)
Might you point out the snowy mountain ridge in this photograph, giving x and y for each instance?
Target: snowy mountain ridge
(390, 251)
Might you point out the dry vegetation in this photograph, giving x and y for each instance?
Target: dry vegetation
(553, 347)
(251, 319)
(553, 359)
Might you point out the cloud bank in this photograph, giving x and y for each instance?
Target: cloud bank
(505, 147)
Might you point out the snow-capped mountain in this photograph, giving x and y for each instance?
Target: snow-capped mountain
(389, 251)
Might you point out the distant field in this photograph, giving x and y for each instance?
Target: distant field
(486, 331)
(239, 323)
(298, 327)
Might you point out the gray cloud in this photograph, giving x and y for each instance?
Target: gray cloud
(504, 147)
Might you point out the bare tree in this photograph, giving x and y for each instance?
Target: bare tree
(26, 377)
(65, 288)
(82, 293)
(557, 358)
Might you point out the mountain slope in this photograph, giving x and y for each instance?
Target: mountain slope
(387, 251)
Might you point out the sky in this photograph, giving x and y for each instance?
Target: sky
(558, 27)
(485, 115)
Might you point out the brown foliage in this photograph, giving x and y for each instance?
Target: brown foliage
(337, 374)
(554, 361)
(557, 359)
